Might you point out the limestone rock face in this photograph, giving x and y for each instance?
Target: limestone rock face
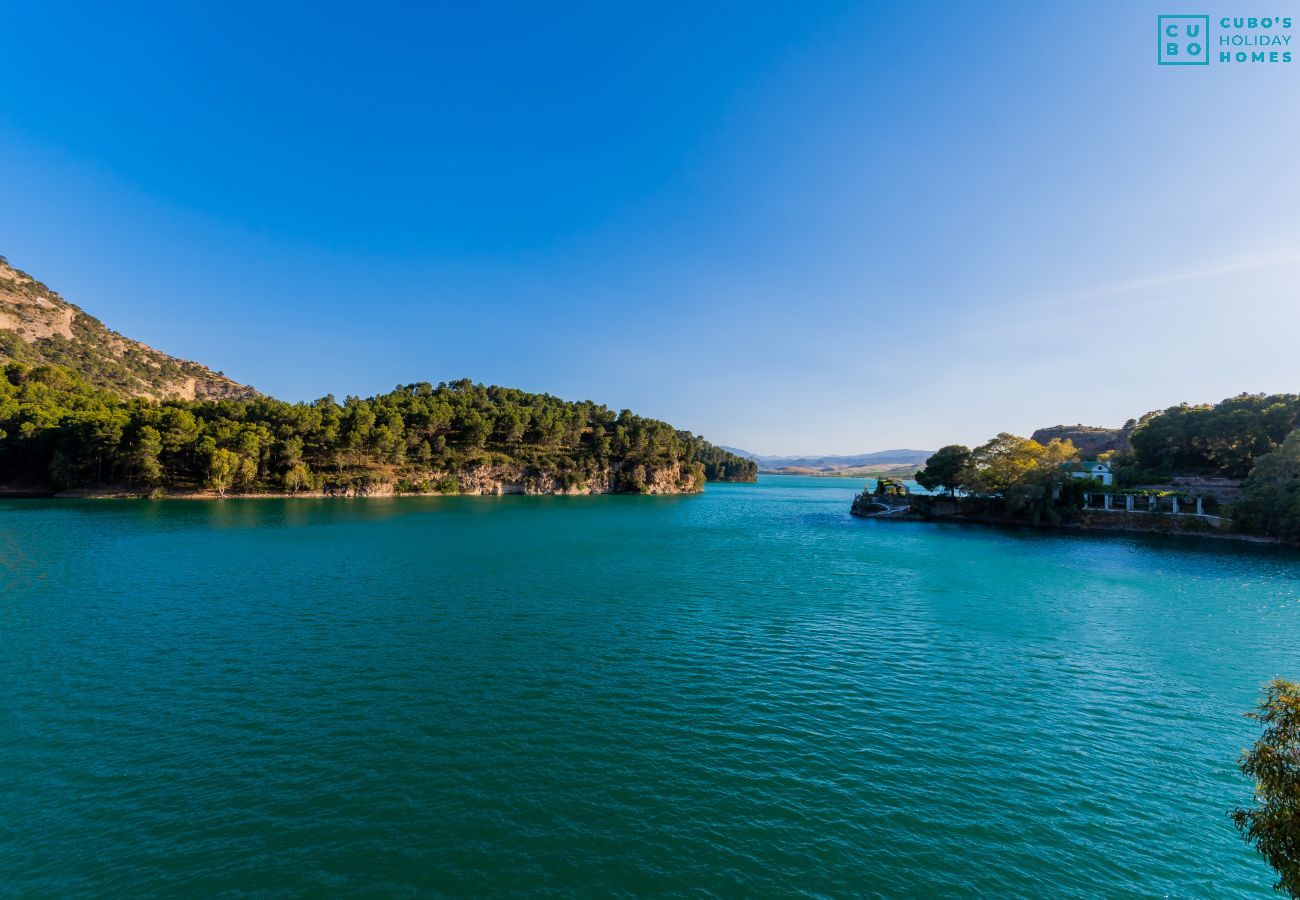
(38, 326)
(498, 480)
(510, 480)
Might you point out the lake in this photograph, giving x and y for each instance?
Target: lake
(745, 692)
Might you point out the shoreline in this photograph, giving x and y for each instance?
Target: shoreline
(207, 495)
(1086, 528)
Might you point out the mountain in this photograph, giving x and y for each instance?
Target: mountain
(37, 327)
(881, 460)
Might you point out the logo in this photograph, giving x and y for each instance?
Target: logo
(1183, 40)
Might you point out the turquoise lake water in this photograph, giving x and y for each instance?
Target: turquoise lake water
(746, 692)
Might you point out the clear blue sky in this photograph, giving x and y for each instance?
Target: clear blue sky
(797, 227)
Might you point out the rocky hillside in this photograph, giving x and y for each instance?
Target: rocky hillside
(58, 433)
(38, 326)
(72, 419)
(1091, 440)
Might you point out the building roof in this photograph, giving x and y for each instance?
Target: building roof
(1087, 465)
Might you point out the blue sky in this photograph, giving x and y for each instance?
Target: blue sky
(792, 227)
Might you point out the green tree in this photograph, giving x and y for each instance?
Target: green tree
(1009, 463)
(290, 452)
(474, 429)
(1003, 462)
(298, 478)
(698, 475)
(512, 423)
(249, 447)
(178, 427)
(886, 486)
(103, 437)
(1224, 438)
(247, 474)
(223, 468)
(1270, 497)
(948, 468)
(1023, 473)
(148, 447)
(635, 479)
(1050, 464)
(1272, 825)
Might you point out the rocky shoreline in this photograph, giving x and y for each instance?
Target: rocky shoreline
(942, 509)
(474, 482)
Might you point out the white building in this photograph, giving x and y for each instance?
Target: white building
(1091, 468)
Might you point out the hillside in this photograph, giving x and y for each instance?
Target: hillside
(37, 326)
(58, 433)
(1090, 440)
(71, 419)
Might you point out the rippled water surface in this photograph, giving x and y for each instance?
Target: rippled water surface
(747, 692)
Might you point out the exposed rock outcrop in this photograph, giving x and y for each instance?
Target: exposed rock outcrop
(1089, 440)
(38, 326)
(481, 480)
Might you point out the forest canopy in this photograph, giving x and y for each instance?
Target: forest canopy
(57, 430)
(1224, 438)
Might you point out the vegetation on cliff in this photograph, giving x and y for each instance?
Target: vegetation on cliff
(57, 429)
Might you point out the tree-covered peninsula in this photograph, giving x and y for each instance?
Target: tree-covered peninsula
(1235, 463)
(83, 408)
(59, 432)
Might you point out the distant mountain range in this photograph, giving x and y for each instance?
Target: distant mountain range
(880, 461)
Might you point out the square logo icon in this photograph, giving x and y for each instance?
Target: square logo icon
(1183, 40)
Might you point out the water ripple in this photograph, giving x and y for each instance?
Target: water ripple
(743, 693)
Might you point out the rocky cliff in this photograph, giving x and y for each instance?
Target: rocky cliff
(38, 326)
(480, 480)
(1091, 440)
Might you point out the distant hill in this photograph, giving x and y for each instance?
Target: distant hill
(881, 460)
(1091, 440)
(37, 326)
